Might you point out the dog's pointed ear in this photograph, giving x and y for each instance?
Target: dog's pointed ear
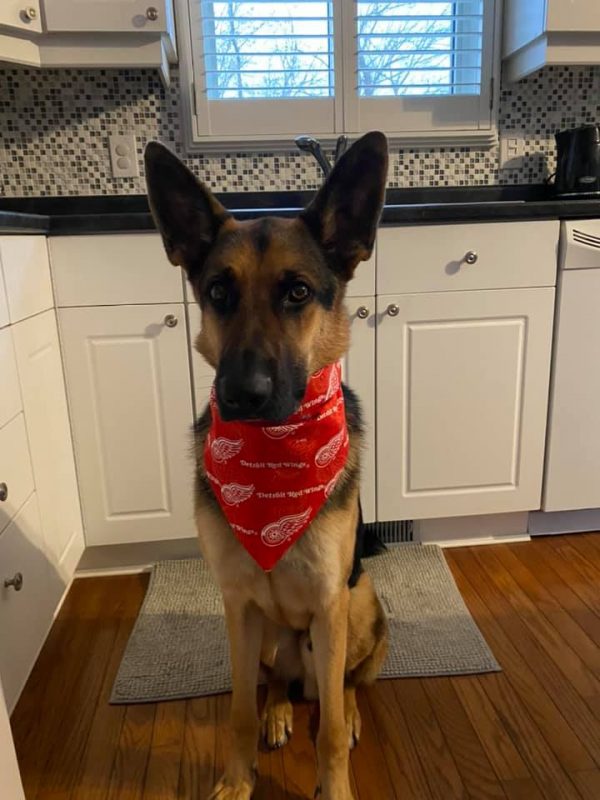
(344, 215)
(185, 211)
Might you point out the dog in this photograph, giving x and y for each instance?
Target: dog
(272, 292)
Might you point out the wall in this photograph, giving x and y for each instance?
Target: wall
(54, 127)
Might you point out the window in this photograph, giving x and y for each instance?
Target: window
(262, 71)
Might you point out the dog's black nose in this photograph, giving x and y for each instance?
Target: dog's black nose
(246, 395)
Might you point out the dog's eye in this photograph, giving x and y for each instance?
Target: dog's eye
(218, 292)
(297, 294)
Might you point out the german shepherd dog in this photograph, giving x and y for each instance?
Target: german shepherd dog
(272, 292)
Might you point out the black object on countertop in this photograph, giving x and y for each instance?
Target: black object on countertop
(128, 213)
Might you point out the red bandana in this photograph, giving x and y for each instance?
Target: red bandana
(271, 480)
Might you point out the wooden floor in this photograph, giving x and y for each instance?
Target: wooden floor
(531, 732)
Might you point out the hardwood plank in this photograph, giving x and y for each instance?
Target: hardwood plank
(131, 758)
(542, 600)
(535, 679)
(478, 775)
(588, 783)
(442, 774)
(543, 765)
(403, 762)
(494, 738)
(299, 756)
(164, 760)
(96, 764)
(522, 789)
(368, 762)
(542, 567)
(546, 635)
(197, 768)
(568, 563)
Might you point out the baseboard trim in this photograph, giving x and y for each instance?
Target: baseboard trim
(119, 559)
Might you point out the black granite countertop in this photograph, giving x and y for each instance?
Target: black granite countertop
(104, 214)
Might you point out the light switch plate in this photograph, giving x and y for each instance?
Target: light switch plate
(123, 156)
(512, 150)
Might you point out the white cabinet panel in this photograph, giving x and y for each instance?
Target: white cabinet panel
(202, 373)
(4, 317)
(363, 282)
(573, 459)
(434, 258)
(358, 370)
(21, 15)
(113, 269)
(462, 391)
(109, 16)
(15, 468)
(26, 615)
(128, 384)
(10, 396)
(9, 768)
(49, 434)
(26, 275)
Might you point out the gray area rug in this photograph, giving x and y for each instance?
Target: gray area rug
(178, 647)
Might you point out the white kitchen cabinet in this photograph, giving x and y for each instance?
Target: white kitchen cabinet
(49, 435)
(203, 374)
(10, 396)
(26, 275)
(107, 16)
(26, 614)
(16, 474)
(22, 16)
(9, 767)
(130, 397)
(462, 393)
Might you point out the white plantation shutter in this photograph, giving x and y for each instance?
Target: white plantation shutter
(267, 70)
(266, 67)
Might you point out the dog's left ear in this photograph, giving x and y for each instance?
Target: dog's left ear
(344, 215)
(185, 211)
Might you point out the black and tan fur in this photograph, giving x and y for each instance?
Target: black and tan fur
(272, 298)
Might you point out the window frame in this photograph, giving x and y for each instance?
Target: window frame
(306, 117)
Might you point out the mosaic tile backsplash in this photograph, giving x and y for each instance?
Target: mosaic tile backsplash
(54, 128)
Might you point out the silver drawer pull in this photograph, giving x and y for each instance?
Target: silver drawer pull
(16, 582)
(171, 320)
(393, 310)
(30, 13)
(3, 492)
(362, 312)
(152, 14)
(471, 256)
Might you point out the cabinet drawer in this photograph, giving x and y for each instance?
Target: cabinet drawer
(26, 615)
(435, 258)
(10, 395)
(15, 469)
(113, 270)
(26, 275)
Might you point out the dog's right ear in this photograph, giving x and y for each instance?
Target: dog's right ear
(185, 211)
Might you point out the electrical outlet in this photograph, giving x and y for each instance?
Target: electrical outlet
(123, 156)
(512, 150)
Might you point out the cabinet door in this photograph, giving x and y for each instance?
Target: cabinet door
(9, 768)
(128, 384)
(110, 16)
(49, 434)
(21, 15)
(358, 370)
(26, 275)
(462, 393)
(203, 374)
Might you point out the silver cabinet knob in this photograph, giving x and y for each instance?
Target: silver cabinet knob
(30, 13)
(152, 14)
(171, 320)
(3, 492)
(362, 312)
(393, 310)
(471, 256)
(16, 582)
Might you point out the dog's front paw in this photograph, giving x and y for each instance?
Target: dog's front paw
(277, 723)
(353, 725)
(225, 790)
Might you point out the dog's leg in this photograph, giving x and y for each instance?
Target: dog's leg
(352, 715)
(277, 717)
(245, 626)
(329, 629)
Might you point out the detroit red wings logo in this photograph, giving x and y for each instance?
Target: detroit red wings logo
(279, 431)
(329, 451)
(277, 532)
(223, 449)
(235, 493)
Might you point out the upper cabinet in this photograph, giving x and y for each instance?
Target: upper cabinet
(542, 32)
(88, 33)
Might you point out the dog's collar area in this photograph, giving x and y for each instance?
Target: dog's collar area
(272, 480)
